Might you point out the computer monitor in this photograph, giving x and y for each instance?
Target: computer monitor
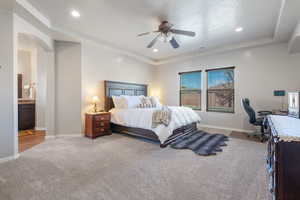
(294, 104)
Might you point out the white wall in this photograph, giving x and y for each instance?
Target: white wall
(259, 71)
(7, 80)
(100, 64)
(68, 88)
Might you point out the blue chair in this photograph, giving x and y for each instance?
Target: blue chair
(254, 120)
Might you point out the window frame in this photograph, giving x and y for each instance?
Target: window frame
(207, 89)
(180, 73)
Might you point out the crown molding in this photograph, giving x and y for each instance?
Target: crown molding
(281, 10)
(37, 14)
(294, 43)
(76, 37)
(224, 49)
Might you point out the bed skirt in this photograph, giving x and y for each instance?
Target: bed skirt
(148, 134)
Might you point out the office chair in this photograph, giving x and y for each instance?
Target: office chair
(254, 120)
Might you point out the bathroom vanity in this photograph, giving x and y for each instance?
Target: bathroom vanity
(26, 114)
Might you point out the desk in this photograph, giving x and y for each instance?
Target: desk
(283, 157)
(279, 112)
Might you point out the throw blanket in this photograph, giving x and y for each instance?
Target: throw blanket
(162, 116)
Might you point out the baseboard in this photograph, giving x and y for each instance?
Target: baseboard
(48, 137)
(71, 135)
(225, 128)
(10, 158)
(40, 129)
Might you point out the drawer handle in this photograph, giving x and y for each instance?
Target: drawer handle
(102, 118)
(102, 124)
(102, 129)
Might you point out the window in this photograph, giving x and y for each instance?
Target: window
(220, 90)
(190, 89)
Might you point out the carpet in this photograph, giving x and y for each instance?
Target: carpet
(117, 167)
(200, 142)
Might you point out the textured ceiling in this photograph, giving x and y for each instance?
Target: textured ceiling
(118, 22)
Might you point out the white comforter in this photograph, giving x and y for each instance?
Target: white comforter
(142, 118)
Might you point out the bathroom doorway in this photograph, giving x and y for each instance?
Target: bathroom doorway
(31, 93)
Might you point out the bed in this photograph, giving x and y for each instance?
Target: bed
(113, 88)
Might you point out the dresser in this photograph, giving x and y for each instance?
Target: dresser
(97, 124)
(283, 160)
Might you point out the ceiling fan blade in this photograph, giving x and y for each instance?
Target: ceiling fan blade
(147, 33)
(181, 32)
(174, 43)
(153, 41)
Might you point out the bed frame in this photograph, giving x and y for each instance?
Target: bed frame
(113, 88)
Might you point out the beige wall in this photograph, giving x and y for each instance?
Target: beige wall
(50, 97)
(100, 64)
(259, 71)
(67, 88)
(41, 87)
(7, 82)
(80, 73)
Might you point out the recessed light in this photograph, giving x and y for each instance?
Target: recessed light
(155, 50)
(75, 13)
(239, 29)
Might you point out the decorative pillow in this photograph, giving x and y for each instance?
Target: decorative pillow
(155, 102)
(119, 102)
(146, 103)
(132, 101)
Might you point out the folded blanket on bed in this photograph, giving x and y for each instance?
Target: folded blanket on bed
(162, 116)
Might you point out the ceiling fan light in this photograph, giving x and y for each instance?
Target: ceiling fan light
(169, 36)
(162, 38)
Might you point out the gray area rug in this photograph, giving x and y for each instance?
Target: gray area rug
(201, 143)
(122, 168)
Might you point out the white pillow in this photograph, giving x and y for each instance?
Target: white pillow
(132, 101)
(155, 101)
(119, 102)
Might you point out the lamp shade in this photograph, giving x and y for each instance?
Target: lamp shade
(96, 99)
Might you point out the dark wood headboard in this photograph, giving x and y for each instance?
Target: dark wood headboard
(113, 88)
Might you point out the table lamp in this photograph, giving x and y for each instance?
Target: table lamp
(95, 101)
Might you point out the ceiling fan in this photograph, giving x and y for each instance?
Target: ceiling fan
(166, 33)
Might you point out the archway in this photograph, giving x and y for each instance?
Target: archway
(35, 61)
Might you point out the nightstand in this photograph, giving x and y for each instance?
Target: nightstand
(97, 124)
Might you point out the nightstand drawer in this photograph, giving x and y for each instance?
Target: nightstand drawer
(101, 124)
(102, 118)
(100, 130)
